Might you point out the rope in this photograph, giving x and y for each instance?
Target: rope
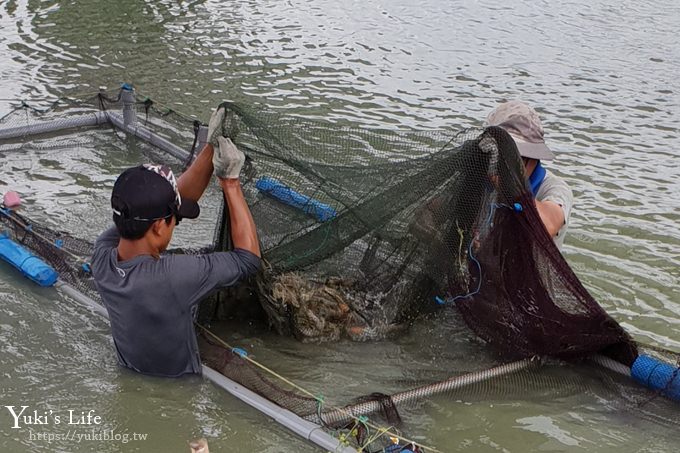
(190, 159)
(101, 97)
(319, 399)
(376, 436)
(517, 208)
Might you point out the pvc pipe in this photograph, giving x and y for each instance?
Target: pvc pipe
(299, 426)
(90, 119)
(96, 119)
(145, 134)
(81, 298)
(99, 118)
(128, 98)
(304, 428)
(344, 415)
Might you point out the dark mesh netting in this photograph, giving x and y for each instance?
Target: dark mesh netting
(362, 231)
(377, 234)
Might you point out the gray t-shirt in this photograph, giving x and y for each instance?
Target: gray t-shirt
(555, 189)
(151, 302)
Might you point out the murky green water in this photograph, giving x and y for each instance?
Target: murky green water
(602, 73)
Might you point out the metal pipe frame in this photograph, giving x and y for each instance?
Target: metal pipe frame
(347, 413)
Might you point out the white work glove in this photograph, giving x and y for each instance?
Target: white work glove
(227, 159)
(215, 126)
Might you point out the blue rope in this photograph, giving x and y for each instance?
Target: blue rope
(517, 207)
(239, 352)
(441, 301)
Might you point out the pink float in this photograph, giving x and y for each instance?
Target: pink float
(11, 199)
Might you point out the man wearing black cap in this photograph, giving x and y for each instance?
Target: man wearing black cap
(552, 195)
(150, 298)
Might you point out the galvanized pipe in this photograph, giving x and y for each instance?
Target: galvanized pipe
(611, 365)
(348, 412)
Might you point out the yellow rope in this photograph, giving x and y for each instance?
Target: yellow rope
(381, 430)
(376, 436)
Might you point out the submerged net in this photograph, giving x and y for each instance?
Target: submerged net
(362, 231)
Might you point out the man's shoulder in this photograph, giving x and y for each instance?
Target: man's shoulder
(552, 184)
(552, 178)
(210, 259)
(107, 240)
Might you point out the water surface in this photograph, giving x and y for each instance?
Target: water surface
(602, 74)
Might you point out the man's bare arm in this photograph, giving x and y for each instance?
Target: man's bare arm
(196, 178)
(552, 216)
(241, 223)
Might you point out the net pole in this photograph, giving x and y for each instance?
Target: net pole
(128, 98)
(87, 120)
(202, 137)
(345, 414)
(304, 428)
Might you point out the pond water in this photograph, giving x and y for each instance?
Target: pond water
(602, 74)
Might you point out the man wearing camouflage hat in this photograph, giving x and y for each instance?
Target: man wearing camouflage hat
(552, 195)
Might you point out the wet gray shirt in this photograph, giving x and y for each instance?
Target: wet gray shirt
(151, 302)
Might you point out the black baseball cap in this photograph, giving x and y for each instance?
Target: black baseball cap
(149, 193)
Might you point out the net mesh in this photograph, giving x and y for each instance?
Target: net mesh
(411, 216)
(362, 231)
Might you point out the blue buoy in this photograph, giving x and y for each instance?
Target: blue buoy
(30, 265)
(286, 195)
(657, 375)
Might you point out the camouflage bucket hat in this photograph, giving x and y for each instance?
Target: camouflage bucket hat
(524, 125)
